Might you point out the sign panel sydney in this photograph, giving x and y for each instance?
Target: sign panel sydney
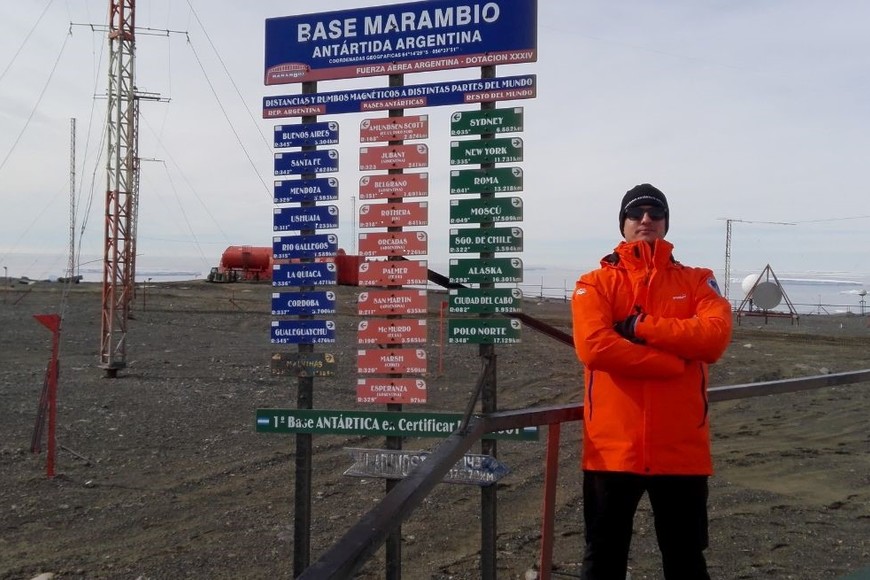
(391, 361)
(308, 246)
(503, 150)
(384, 273)
(485, 271)
(299, 190)
(485, 300)
(389, 215)
(303, 331)
(303, 303)
(303, 364)
(488, 121)
(299, 162)
(473, 468)
(313, 274)
(402, 391)
(483, 331)
(305, 134)
(405, 97)
(318, 217)
(394, 128)
(384, 302)
(491, 209)
(392, 331)
(399, 38)
(394, 185)
(394, 244)
(350, 422)
(469, 241)
(493, 180)
(410, 156)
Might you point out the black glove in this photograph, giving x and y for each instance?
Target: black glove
(625, 328)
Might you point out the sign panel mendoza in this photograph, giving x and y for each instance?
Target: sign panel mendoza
(400, 38)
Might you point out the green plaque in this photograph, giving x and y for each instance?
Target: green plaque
(470, 241)
(489, 121)
(345, 422)
(483, 331)
(485, 270)
(485, 300)
(504, 150)
(493, 180)
(495, 209)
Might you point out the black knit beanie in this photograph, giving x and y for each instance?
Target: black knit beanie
(643, 194)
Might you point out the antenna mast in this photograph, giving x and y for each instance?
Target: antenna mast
(71, 262)
(728, 222)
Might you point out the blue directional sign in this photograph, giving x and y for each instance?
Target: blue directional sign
(305, 134)
(299, 162)
(303, 303)
(309, 246)
(306, 274)
(299, 190)
(405, 97)
(319, 217)
(400, 38)
(303, 331)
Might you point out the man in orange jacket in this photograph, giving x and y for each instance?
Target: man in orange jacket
(645, 329)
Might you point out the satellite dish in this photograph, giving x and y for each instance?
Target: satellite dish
(767, 295)
(749, 282)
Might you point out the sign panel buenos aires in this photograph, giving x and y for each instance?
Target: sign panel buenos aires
(304, 246)
(404, 97)
(399, 38)
(312, 274)
(351, 422)
(303, 331)
(303, 303)
(485, 300)
(392, 331)
(491, 209)
(394, 244)
(384, 391)
(473, 468)
(483, 331)
(299, 162)
(389, 273)
(391, 361)
(494, 180)
(485, 271)
(394, 185)
(300, 190)
(501, 150)
(398, 215)
(384, 302)
(486, 240)
(305, 135)
(318, 217)
(411, 156)
(487, 121)
(303, 364)
(394, 128)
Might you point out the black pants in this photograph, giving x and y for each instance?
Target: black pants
(679, 505)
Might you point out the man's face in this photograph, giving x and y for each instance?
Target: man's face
(644, 223)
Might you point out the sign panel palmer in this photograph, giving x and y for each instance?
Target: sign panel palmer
(399, 38)
(389, 273)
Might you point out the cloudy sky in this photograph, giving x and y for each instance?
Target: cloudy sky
(753, 111)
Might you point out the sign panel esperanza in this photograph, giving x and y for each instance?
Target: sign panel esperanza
(389, 273)
(404, 97)
(489, 209)
(299, 162)
(381, 361)
(385, 302)
(492, 180)
(487, 121)
(479, 240)
(345, 422)
(318, 217)
(303, 364)
(411, 156)
(473, 468)
(300, 190)
(385, 391)
(471, 151)
(394, 244)
(394, 215)
(485, 271)
(399, 38)
(483, 331)
(302, 331)
(304, 246)
(303, 303)
(394, 185)
(485, 300)
(394, 128)
(392, 331)
(305, 135)
(312, 274)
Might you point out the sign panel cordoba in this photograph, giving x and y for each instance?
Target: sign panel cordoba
(394, 244)
(393, 215)
(390, 273)
(312, 274)
(473, 468)
(394, 128)
(483, 331)
(384, 391)
(486, 121)
(392, 331)
(300, 190)
(469, 240)
(488, 209)
(384, 302)
(502, 150)
(303, 331)
(300, 162)
(318, 217)
(304, 246)
(351, 422)
(303, 364)
(399, 38)
(485, 300)
(493, 180)
(485, 271)
(411, 156)
(391, 361)
(305, 135)
(303, 303)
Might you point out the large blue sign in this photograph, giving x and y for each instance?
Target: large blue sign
(310, 274)
(305, 134)
(400, 38)
(406, 97)
(303, 331)
(310, 246)
(299, 190)
(320, 217)
(299, 162)
(303, 303)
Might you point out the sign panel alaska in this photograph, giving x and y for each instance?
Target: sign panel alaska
(485, 271)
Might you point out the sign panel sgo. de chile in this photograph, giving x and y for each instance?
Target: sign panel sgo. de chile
(400, 38)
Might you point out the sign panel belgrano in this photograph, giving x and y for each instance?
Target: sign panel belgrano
(400, 38)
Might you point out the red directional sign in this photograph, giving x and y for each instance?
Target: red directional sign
(394, 185)
(392, 331)
(394, 157)
(402, 391)
(391, 361)
(383, 302)
(394, 244)
(389, 273)
(394, 128)
(394, 215)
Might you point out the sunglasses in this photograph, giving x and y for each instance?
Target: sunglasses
(655, 213)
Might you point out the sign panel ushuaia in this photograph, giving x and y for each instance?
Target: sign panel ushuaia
(400, 38)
